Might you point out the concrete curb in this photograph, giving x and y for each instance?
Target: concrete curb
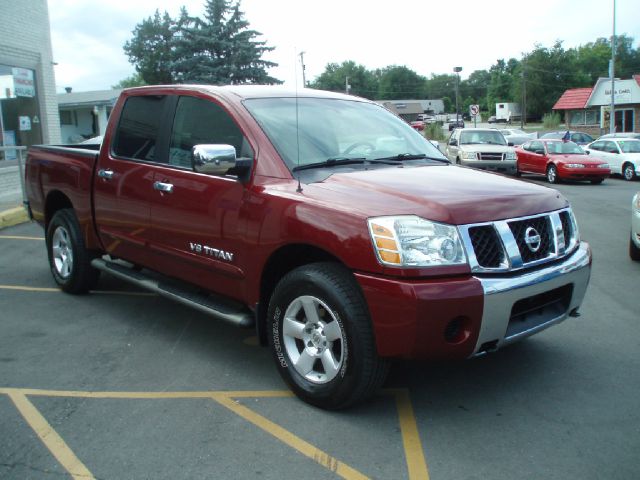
(13, 216)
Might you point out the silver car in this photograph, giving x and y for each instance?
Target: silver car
(484, 148)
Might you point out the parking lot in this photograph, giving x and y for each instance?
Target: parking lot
(122, 384)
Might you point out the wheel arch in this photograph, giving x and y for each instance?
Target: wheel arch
(56, 200)
(280, 262)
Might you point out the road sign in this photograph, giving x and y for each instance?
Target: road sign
(474, 110)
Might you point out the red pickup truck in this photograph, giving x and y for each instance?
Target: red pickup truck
(325, 222)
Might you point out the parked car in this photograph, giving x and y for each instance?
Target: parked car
(344, 244)
(634, 241)
(453, 123)
(622, 154)
(580, 138)
(417, 125)
(484, 148)
(426, 118)
(620, 135)
(516, 136)
(560, 160)
(493, 119)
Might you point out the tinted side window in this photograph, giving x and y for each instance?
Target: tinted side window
(597, 146)
(536, 146)
(199, 121)
(610, 147)
(137, 131)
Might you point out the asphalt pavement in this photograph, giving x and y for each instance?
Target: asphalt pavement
(120, 384)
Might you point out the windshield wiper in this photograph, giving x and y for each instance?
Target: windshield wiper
(410, 156)
(330, 162)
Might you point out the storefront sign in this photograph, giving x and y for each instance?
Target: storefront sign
(624, 92)
(23, 83)
(25, 123)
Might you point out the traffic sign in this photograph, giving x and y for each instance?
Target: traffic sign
(474, 110)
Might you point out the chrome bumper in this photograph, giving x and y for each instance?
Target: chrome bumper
(502, 294)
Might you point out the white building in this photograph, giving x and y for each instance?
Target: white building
(84, 114)
(28, 106)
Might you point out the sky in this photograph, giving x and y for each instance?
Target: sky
(426, 36)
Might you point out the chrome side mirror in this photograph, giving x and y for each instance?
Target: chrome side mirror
(213, 159)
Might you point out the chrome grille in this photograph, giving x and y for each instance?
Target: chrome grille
(517, 243)
(490, 156)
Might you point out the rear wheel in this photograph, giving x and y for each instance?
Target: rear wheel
(628, 171)
(321, 337)
(552, 174)
(69, 260)
(598, 181)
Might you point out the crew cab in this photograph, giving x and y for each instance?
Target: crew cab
(325, 222)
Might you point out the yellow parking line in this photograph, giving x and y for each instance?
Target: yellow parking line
(50, 437)
(414, 453)
(327, 461)
(28, 289)
(20, 237)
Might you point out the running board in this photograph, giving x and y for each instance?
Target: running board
(223, 308)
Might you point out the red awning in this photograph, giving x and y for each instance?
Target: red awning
(573, 99)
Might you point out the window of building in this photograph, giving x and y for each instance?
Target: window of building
(67, 117)
(624, 120)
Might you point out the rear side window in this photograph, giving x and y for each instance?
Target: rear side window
(137, 132)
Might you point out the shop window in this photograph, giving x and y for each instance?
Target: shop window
(67, 117)
(592, 117)
(576, 117)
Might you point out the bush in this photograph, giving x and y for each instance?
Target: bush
(433, 131)
(551, 121)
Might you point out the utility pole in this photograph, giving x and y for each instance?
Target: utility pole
(523, 112)
(612, 72)
(304, 80)
(346, 85)
(457, 71)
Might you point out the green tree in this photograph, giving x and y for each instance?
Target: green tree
(398, 82)
(150, 49)
(440, 85)
(134, 80)
(362, 81)
(219, 49)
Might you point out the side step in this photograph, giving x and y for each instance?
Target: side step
(218, 306)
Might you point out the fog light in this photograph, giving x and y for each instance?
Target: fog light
(457, 330)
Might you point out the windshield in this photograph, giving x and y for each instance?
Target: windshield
(475, 136)
(335, 129)
(559, 148)
(629, 146)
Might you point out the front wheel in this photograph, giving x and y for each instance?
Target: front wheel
(628, 171)
(69, 260)
(321, 337)
(552, 174)
(597, 182)
(634, 251)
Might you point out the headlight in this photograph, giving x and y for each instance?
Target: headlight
(469, 155)
(510, 156)
(410, 241)
(573, 165)
(574, 223)
(636, 202)
(603, 165)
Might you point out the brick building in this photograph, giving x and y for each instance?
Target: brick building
(587, 109)
(28, 104)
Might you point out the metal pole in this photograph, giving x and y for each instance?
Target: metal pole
(612, 72)
(304, 80)
(21, 173)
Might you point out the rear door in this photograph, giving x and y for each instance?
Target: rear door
(123, 183)
(197, 228)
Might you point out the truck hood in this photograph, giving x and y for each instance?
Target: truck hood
(448, 194)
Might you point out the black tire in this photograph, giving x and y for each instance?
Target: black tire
(597, 182)
(458, 162)
(69, 260)
(628, 172)
(337, 326)
(634, 252)
(552, 174)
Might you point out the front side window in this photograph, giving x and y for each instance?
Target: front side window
(198, 121)
(137, 132)
(536, 146)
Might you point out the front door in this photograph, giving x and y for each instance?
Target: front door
(196, 218)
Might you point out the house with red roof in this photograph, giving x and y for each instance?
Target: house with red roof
(587, 109)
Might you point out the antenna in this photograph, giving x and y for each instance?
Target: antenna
(299, 189)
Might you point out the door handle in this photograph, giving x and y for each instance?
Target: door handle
(106, 174)
(163, 187)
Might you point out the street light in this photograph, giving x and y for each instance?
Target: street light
(457, 70)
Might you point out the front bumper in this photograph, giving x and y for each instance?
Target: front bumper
(415, 318)
(588, 173)
(500, 166)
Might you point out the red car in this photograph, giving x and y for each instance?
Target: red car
(417, 125)
(559, 160)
